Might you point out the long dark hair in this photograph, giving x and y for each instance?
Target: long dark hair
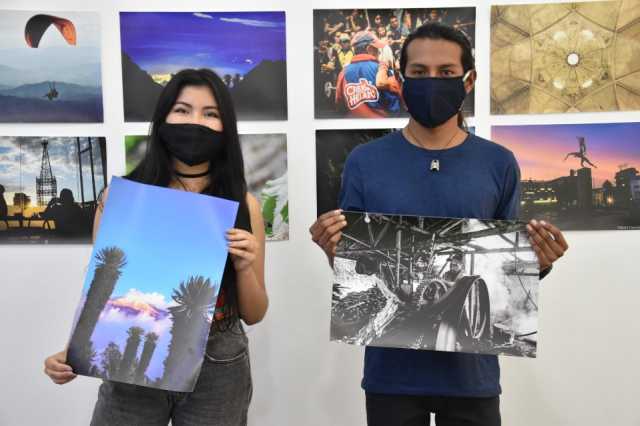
(438, 31)
(226, 170)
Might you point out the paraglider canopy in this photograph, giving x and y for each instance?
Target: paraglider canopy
(38, 24)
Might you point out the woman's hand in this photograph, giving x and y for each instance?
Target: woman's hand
(243, 247)
(56, 368)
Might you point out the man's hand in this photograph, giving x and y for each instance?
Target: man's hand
(547, 241)
(326, 232)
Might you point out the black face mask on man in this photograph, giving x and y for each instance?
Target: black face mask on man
(192, 144)
(432, 101)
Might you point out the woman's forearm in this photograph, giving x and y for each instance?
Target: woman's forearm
(252, 297)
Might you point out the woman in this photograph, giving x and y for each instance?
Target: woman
(194, 146)
(386, 54)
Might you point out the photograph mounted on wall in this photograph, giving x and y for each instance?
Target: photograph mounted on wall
(332, 149)
(246, 49)
(578, 176)
(357, 57)
(265, 167)
(49, 187)
(565, 57)
(443, 284)
(145, 314)
(50, 67)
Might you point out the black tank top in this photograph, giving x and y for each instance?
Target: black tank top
(228, 288)
(228, 338)
(243, 221)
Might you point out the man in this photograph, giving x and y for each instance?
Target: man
(335, 21)
(325, 65)
(456, 268)
(367, 88)
(356, 22)
(394, 32)
(345, 52)
(434, 16)
(476, 178)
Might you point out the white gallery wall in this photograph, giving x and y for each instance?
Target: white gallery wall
(588, 368)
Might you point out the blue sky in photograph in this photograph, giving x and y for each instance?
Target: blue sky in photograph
(167, 235)
(21, 158)
(163, 43)
(54, 59)
(541, 149)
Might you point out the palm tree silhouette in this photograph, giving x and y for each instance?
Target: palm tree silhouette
(110, 261)
(130, 351)
(190, 328)
(145, 357)
(111, 359)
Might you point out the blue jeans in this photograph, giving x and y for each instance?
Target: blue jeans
(220, 398)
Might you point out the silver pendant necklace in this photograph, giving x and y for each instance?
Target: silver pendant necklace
(435, 163)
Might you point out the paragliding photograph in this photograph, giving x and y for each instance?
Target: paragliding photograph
(49, 187)
(246, 49)
(265, 166)
(50, 67)
(145, 314)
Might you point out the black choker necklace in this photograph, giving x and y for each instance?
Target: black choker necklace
(195, 175)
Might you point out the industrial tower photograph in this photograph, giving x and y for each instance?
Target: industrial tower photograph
(49, 188)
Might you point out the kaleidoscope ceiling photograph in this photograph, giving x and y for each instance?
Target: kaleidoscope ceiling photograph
(565, 57)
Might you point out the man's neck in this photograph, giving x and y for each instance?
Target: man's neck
(447, 135)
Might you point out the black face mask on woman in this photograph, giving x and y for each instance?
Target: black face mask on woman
(432, 101)
(192, 144)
